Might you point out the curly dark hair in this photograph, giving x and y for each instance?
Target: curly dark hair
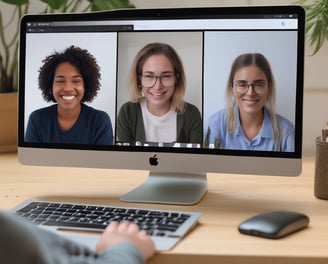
(82, 60)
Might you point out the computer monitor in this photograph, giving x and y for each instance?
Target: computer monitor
(220, 69)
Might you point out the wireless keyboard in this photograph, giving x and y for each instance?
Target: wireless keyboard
(166, 227)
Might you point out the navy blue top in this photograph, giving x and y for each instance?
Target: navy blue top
(92, 127)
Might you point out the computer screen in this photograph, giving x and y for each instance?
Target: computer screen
(177, 92)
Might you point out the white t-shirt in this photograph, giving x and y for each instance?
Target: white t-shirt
(159, 128)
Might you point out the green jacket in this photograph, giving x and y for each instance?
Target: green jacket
(130, 127)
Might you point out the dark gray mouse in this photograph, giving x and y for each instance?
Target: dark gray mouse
(274, 224)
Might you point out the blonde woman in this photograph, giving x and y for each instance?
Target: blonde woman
(157, 111)
(249, 121)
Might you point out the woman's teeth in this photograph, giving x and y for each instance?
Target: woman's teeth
(68, 97)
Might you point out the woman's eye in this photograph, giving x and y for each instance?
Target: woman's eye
(242, 84)
(259, 84)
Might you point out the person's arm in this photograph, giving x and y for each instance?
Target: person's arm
(196, 128)
(212, 133)
(104, 131)
(130, 126)
(119, 239)
(31, 134)
(23, 242)
(288, 134)
(124, 132)
(123, 253)
(189, 125)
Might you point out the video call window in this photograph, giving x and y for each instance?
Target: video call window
(202, 120)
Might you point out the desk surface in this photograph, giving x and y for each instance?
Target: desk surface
(230, 200)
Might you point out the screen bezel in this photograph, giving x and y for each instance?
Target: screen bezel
(217, 160)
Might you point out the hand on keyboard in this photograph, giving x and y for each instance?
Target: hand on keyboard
(116, 233)
(166, 227)
(120, 242)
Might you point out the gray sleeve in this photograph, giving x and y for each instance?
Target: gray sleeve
(22, 242)
(124, 253)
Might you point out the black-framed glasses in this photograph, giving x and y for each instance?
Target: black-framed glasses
(242, 87)
(149, 80)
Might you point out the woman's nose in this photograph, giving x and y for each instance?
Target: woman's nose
(158, 83)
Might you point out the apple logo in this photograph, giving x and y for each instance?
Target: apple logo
(153, 161)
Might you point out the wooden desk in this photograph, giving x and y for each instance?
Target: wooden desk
(230, 200)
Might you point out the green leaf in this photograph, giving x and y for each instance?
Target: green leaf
(16, 2)
(316, 22)
(55, 4)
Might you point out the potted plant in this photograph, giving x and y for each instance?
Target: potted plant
(316, 22)
(9, 33)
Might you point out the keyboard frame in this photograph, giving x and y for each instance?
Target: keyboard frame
(90, 236)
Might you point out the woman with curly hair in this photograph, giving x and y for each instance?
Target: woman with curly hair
(69, 79)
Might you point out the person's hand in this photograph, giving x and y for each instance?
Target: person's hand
(127, 232)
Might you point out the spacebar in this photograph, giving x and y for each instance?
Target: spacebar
(75, 225)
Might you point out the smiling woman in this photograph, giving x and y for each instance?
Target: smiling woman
(157, 113)
(68, 91)
(249, 121)
(11, 12)
(69, 79)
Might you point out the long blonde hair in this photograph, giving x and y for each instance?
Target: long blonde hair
(156, 48)
(262, 63)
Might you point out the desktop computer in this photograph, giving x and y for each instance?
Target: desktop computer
(178, 92)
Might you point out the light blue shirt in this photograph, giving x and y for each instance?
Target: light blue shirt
(218, 131)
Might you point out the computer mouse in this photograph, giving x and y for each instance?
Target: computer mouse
(275, 224)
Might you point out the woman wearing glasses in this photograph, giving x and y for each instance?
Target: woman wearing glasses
(249, 121)
(157, 111)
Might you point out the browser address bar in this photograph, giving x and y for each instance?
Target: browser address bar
(215, 24)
